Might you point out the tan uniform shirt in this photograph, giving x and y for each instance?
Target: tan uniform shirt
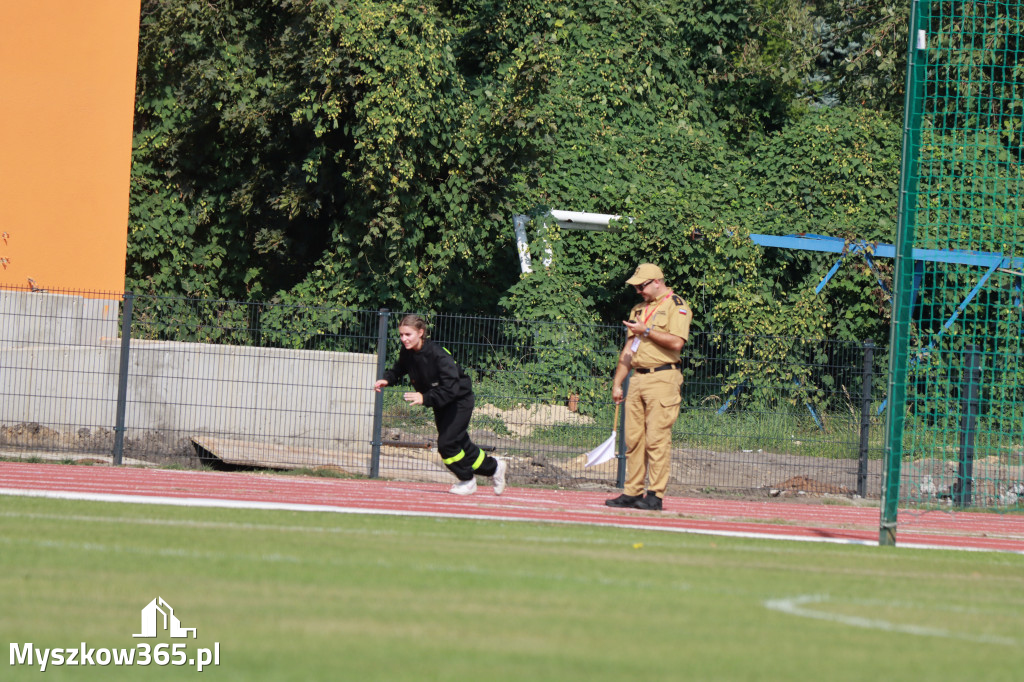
(670, 314)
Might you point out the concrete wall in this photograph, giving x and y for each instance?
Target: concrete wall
(35, 319)
(59, 361)
(291, 397)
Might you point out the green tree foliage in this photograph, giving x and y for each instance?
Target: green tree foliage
(560, 349)
(994, 63)
(317, 151)
(833, 172)
(214, 209)
(863, 52)
(753, 60)
(373, 153)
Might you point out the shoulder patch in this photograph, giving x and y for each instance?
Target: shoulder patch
(677, 299)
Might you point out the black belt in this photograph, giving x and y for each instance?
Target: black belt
(674, 365)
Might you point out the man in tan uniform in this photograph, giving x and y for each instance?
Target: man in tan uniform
(658, 329)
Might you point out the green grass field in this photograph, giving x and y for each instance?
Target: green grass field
(303, 596)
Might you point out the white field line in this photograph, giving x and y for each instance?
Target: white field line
(799, 606)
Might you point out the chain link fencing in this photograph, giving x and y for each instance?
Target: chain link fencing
(957, 410)
(139, 379)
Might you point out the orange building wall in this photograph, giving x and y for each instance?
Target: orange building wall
(67, 96)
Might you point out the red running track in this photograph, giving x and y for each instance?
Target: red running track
(769, 519)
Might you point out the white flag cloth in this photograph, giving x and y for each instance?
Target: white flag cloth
(602, 453)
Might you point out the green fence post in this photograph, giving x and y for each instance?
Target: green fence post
(906, 215)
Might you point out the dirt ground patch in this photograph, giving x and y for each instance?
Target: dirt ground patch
(995, 482)
(766, 474)
(522, 421)
(154, 448)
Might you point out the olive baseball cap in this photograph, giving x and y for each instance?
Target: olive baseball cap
(645, 272)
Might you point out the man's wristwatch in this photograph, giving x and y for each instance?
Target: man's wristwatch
(647, 332)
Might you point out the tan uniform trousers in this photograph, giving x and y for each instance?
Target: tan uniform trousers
(652, 406)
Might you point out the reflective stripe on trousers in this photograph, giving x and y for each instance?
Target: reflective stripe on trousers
(462, 453)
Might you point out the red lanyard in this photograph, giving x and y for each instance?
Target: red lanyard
(656, 306)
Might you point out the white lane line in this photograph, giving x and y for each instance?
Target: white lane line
(334, 509)
(297, 507)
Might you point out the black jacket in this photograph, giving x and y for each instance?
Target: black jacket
(433, 372)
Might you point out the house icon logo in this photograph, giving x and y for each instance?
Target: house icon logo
(157, 615)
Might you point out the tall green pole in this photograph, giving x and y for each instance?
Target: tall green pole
(906, 217)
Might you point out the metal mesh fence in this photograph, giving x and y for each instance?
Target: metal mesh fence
(957, 414)
(149, 379)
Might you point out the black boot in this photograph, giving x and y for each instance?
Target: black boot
(651, 503)
(624, 500)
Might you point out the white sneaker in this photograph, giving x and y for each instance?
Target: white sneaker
(499, 476)
(464, 487)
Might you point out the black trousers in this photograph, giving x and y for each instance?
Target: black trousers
(460, 454)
